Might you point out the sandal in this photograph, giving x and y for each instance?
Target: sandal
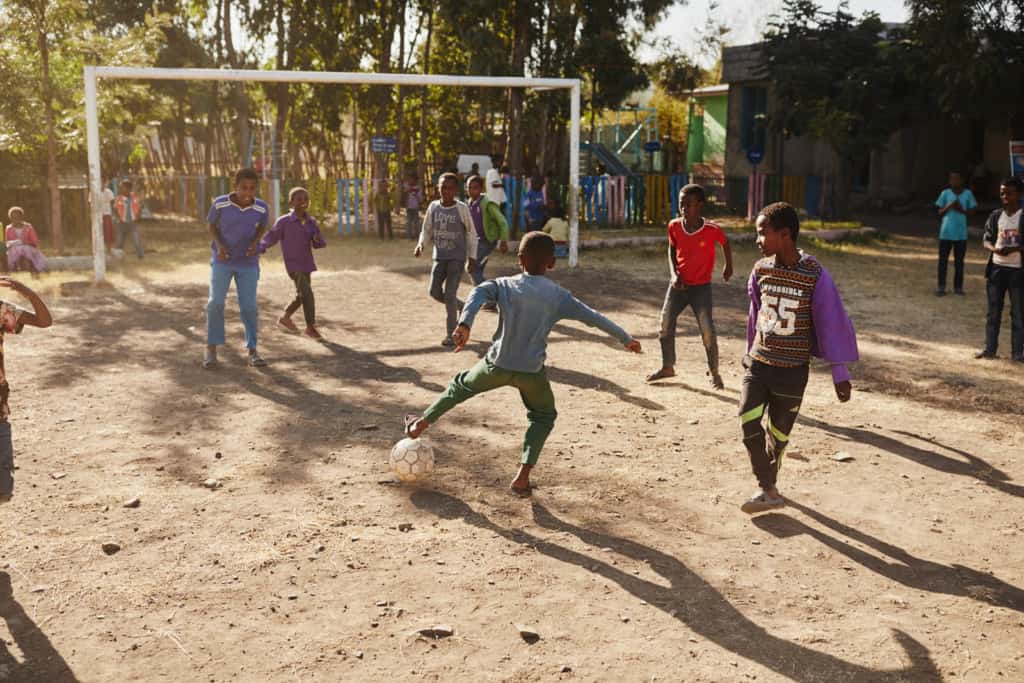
(409, 421)
(287, 325)
(256, 360)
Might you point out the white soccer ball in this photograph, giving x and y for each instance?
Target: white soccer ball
(412, 459)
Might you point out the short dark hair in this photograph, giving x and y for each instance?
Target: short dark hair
(246, 174)
(126, 183)
(294, 191)
(782, 216)
(475, 179)
(693, 189)
(445, 177)
(1014, 182)
(537, 249)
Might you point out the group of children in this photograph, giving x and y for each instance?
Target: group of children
(1004, 274)
(795, 312)
(237, 223)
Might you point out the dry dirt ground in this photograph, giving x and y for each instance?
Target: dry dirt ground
(632, 561)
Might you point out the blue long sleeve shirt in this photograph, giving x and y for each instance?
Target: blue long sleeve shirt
(530, 305)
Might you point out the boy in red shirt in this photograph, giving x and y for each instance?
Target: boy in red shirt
(691, 257)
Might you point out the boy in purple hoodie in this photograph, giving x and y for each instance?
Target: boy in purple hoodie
(299, 234)
(795, 312)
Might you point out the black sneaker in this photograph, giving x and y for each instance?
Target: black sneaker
(940, 292)
(960, 292)
(1018, 359)
(985, 354)
(447, 341)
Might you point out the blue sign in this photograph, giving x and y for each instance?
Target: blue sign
(755, 155)
(652, 146)
(383, 144)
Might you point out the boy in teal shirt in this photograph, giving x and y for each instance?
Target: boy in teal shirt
(530, 305)
(955, 204)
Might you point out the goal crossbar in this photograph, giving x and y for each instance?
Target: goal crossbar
(94, 73)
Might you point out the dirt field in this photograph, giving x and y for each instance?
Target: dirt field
(632, 561)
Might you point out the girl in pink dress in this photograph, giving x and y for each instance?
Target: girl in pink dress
(23, 244)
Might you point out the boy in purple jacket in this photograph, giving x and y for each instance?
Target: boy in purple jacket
(298, 234)
(795, 312)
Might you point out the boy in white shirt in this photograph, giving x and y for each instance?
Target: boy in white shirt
(1003, 274)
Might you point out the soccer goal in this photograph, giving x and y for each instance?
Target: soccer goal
(94, 73)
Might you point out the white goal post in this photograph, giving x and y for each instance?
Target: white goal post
(93, 73)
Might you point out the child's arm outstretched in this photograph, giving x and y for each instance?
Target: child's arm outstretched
(484, 293)
(574, 309)
(835, 336)
(40, 315)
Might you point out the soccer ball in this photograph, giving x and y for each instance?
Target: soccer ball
(412, 459)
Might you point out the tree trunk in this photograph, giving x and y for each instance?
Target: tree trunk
(423, 105)
(241, 101)
(845, 170)
(52, 181)
(520, 47)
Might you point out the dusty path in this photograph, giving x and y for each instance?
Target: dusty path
(632, 561)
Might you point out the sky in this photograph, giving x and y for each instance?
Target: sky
(749, 19)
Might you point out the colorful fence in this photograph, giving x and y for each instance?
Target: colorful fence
(605, 201)
(752, 193)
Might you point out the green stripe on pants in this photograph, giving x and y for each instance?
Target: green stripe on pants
(534, 389)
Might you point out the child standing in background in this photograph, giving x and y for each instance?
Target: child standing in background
(299, 235)
(533, 204)
(955, 204)
(448, 225)
(127, 207)
(558, 228)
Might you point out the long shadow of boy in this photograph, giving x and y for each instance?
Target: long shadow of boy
(42, 661)
(689, 598)
(911, 571)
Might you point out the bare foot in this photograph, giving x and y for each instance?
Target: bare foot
(286, 322)
(664, 373)
(715, 379)
(521, 484)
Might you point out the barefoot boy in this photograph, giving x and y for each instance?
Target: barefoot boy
(530, 305)
(299, 235)
(12, 320)
(795, 311)
(691, 258)
(449, 226)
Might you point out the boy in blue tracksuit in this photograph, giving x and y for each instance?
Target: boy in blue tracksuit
(530, 305)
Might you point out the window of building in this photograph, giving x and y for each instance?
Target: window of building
(754, 117)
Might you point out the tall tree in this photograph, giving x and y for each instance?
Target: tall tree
(837, 78)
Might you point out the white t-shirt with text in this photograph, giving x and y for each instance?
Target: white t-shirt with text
(1009, 236)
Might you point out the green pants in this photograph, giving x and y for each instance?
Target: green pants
(534, 389)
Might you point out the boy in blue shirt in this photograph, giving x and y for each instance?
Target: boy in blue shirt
(236, 222)
(530, 305)
(534, 204)
(955, 204)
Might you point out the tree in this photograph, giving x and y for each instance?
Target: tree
(41, 119)
(973, 55)
(835, 77)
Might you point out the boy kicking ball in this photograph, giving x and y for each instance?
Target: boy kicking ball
(530, 305)
(795, 311)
